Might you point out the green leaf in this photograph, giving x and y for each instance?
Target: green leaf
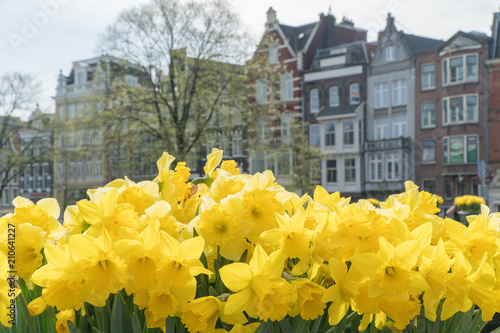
(477, 324)
(264, 327)
(317, 322)
(27, 315)
(212, 292)
(99, 315)
(243, 257)
(126, 319)
(95, 330)
(72, 327)
(285, 326)
(170, 324)
(136, 324)
(116, 315)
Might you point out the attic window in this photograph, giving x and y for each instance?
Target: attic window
(389, 53)
(301, 35)
(273, 54)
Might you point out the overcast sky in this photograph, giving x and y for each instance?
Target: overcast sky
(41, 37)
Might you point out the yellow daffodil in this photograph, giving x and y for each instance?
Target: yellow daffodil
(30, 241)
(62, 320)
(308, 302)
(201, 314)
(259, 289)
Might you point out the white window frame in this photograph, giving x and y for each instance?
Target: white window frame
(466, 140)
(354, 94)
(261, 91)
(314, 100)
(333, 96)
(71, 110)
(350, 169)
(375, 168)
(287, 123)
(399, 126)
(381, 95)
(286, 87)
(426, 148)
(466, 70)
(428, 76)
(449, 113)
(329, 133)
(346, 133)
(399, 92)
(381, 129)
(390, 53)
(273, 54)
(429, 114)
(331, 170)
(314, 132)
(392, 166)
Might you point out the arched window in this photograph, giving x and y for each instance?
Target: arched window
(354, 93)
(314, 100)
(334, 96)
(286, 87)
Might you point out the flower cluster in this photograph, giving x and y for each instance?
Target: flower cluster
(229, 250)
(470, 203)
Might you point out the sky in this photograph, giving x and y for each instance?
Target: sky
(41, 37)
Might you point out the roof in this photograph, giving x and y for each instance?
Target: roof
(338, 110)
(298, 36)
(418, 43)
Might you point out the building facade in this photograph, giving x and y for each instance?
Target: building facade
(451, 118)
(390, 135)
(335, 94)
(276, 101)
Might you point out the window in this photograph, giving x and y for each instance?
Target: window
(261, 91)
(98, 106)
(314, 171)
(88, 137)
(447, 188)
(428, 114)
(262, 128)
(71, 111)
(79, 137)
(44, 180)
(6, 197)
(314, 135)
(399, 126)
(79, 110)
(348, 132)
(375, 167)
(284, 163)
(428, 76)
(454, 111)
(381, 129)
(287, 121)
(258, 162)
(330, 134)
(428, 151)
(236, 147)
(314, 100)
(131, 80)
(390, 53)
(98, 165)
(460, 69)
(354, 93)
(460, 149)
(331, 171)
(79, 168)
(392, 166)
(334, 96)
(429, 185)
(381, 95)
(14, 193)
(399, 92)
(88, 167)
(273, 54)
(286, 87)
(60, 112)
(60, 170)
(81, 77)
(350, 170)
(36, 177)
(71, 168)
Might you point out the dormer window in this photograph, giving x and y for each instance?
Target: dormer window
(390, 54)
(273, 54)
(81, 78)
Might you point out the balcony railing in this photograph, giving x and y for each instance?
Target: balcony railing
(385, 144)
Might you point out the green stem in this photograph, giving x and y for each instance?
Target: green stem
(26, 311)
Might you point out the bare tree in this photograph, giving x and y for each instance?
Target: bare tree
(18, 94)
(190, 51)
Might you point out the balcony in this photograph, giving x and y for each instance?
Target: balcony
(388, 144)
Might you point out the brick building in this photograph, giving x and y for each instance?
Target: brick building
(451, 121)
